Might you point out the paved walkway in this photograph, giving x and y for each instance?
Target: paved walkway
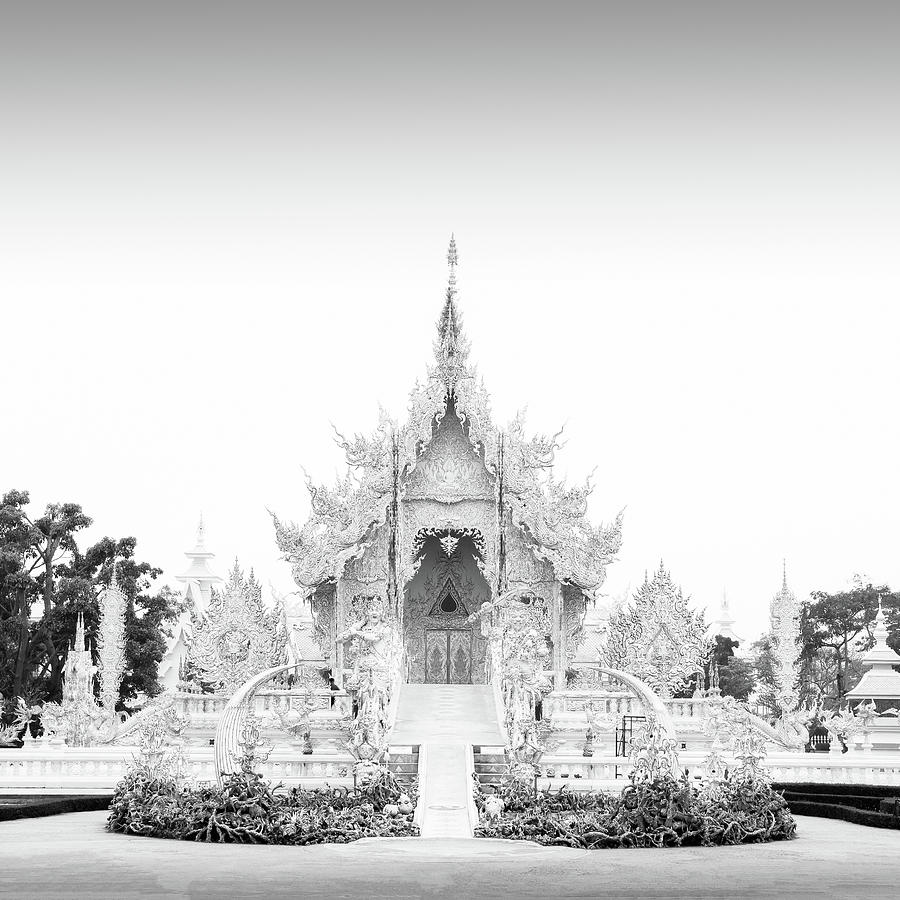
(443, 719)
(72, 856)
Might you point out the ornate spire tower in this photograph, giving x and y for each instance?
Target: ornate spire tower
(111, 642)
(785, 618)
(451, 349)
(78, 682)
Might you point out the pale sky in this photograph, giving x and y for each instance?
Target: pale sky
(223, 227)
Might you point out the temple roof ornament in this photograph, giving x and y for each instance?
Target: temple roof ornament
(385, 467)
(656, 637)
(451, 348)
(238, 637)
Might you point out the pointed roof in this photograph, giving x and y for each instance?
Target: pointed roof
(199, 557)
(79, 643)
(784, 605)
(881, 680)
(344, 519)
(722, 624)
(451, 348)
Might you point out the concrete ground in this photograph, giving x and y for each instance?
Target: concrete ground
(72, 856)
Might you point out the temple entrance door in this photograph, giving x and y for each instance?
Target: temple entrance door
(448, 656)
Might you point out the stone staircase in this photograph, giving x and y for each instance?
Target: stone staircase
(445, 721)
(404, 763)
(490, 764)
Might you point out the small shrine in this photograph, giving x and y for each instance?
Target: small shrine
(881, 681)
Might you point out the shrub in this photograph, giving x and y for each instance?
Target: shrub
(248, 810)
(663, 813)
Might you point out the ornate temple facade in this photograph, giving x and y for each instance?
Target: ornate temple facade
(441, 515)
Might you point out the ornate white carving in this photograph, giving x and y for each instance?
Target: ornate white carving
(371, 683)
(517, 625)
(785, 611)
(657, 638)
(553, 515)
(451, 469)
(111, 642)
(77, 719)
(238, 636)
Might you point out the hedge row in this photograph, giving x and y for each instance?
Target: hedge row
(858, 790)
(846, 813)
(870, 804)
(33, 807)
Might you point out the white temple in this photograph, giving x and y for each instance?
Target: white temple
(442, 514)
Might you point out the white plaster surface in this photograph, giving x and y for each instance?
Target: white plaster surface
(72, 856)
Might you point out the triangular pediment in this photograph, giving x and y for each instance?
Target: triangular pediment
(451, 468)
(449, 602)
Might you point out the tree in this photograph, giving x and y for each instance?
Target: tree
(737, 676)
(836, 628)
(41, 566)
(31, 550)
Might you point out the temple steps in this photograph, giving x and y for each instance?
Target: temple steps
(445, 720)
(404, 763)
(490, 765)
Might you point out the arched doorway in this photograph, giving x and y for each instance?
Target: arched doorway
(441, 646)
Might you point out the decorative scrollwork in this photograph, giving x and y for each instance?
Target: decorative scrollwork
(237, 637)
(785, 612)
(657, 638)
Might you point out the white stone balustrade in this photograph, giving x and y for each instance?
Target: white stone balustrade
(44, 767)
(606, 771)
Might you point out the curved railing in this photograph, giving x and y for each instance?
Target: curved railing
(234, 716)
(645, 693)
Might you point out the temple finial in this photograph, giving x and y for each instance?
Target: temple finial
(784, 573)
(451, 348)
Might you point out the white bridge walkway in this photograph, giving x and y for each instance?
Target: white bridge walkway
(444, 720)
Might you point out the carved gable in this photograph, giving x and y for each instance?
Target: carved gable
(450, 469)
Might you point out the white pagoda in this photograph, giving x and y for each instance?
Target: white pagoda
(723, 624)
(880, 681)
(198, 581)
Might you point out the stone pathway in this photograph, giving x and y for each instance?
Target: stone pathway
(443, 719)
(71, 856)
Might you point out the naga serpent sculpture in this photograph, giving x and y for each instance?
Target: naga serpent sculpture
(231, 724)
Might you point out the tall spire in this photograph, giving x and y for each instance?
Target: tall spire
(79, 643)
(451, 348)
(199, 578)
